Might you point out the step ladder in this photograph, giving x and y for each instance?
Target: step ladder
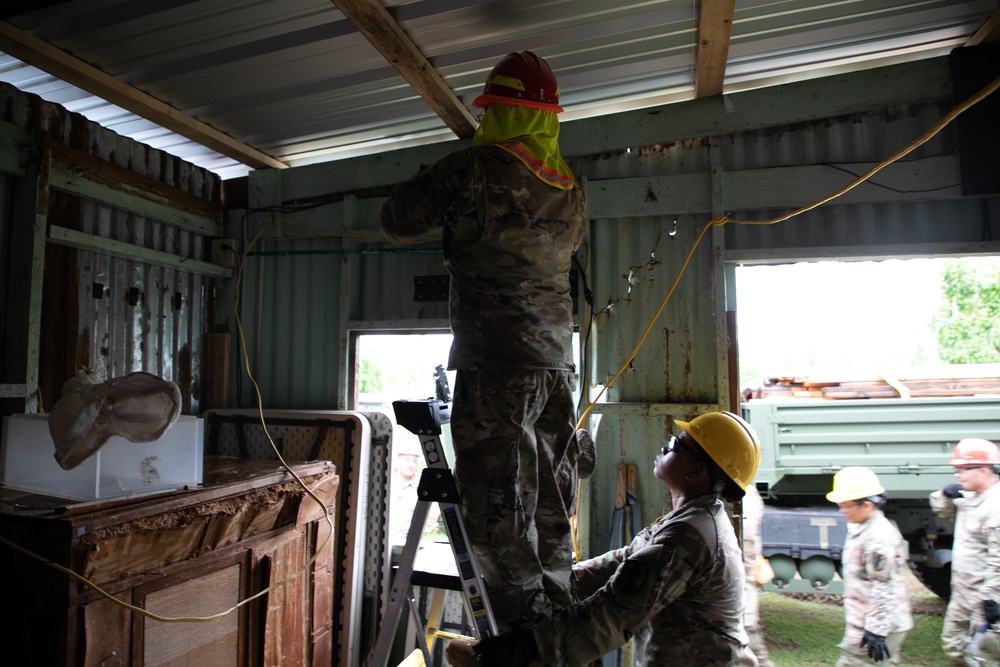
(437, 484)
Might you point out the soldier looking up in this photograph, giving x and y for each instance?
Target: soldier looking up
(974, 503)
(876, 604)
(677, 588)
(512, 215)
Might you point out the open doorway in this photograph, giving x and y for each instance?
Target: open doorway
(884, 365)
(393, 367)
(866, 317)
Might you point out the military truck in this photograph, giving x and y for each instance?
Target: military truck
(906, 441)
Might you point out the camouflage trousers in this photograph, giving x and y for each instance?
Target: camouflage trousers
(852, 655)
(513, 431)
(960, 621)
(752, 622)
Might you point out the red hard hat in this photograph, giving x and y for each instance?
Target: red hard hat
(975, 452)
(522, 79)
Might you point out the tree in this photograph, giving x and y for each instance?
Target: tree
(967, 323)
(370, 377)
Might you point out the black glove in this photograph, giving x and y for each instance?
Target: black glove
(991, 610)
(878, 650)
(952, 491)
(513, 649)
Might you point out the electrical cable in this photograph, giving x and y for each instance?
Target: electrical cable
(725, 219)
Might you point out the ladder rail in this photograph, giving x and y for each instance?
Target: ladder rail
(437, 484)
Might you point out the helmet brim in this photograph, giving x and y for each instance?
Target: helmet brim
(487, 99)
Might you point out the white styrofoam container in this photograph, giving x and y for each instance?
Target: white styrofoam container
(119, 467)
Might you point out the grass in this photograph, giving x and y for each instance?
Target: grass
(804, 630)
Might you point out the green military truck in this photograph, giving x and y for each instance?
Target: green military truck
(907, 442)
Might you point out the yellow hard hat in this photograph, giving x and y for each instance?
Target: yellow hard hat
(854, 483)
(730, 441)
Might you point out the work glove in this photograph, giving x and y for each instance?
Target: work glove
(952, 491)
(878, 650)
(991, 610)
(513, 649)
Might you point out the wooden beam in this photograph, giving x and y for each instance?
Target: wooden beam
(373, 21)
(988, 32)
(44, 56)
(715, 25)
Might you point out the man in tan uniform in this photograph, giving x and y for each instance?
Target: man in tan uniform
(974, 504)
(876, 604)
(753, 517)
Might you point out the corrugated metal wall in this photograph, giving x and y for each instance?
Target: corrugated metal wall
(108, 314)
(631, 262)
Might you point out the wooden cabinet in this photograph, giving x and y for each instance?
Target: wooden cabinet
(178, 556)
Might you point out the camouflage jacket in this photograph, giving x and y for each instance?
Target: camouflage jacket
(508, 241)
(975, 565)
(678, 588)
(874, 559)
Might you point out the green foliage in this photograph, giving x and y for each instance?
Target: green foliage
(966, 325)
(805, 633)
(369, 376)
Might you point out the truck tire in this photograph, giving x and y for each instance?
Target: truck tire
(936, 579)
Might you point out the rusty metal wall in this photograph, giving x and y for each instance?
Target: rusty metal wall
(630, 264)
(102, 313)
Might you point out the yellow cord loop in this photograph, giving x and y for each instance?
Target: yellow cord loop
(724, 219)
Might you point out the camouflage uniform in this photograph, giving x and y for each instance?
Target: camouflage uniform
(508, 242)
(875, 596)
(678, 588)
(753, 516)
(975, 569)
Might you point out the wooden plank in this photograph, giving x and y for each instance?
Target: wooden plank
(90, 177)
(14, 142)
(373, 21)
(135, 253)
(677, 194)
(286, 626)
(218, 356)
(793, 187)
(210, 643)
(988, 32)
(715, 25)
(37, 53)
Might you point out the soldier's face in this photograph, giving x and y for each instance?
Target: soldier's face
(856, 511)
(675, 459)
(975, 478)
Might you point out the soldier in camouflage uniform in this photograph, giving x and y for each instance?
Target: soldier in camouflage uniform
(512, 216)
(974, 503)
(876, 603)
(753, 516)
(677, 588)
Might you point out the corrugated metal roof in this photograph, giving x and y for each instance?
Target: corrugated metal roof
(297, 81)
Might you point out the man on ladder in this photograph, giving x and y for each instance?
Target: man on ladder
(512, 216)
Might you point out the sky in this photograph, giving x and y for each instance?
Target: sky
(792, 319)
(868, 316)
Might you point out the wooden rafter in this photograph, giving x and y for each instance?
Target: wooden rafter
(33, 51)
(715, 25)
(988, 32)
(373, 21)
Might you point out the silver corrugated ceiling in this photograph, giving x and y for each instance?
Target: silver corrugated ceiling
(297, 81)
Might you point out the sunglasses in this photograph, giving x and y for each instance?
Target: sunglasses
(850, 504)
(675, 444)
